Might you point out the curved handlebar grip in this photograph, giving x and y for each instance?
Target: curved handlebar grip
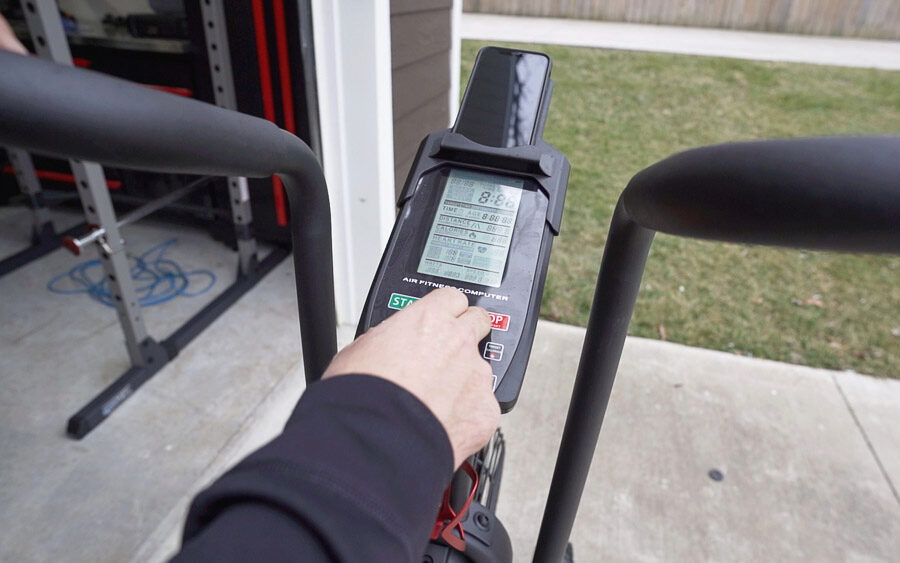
(829, 194)
(837, 193)
(75, 113)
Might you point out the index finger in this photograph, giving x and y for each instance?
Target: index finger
(478, 320)
(448, 299)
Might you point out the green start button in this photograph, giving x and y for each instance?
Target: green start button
(399, 301)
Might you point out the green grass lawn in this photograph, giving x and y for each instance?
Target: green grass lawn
(615, 112)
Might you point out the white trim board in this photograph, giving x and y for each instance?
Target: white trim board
(455, 57)
(352, 42)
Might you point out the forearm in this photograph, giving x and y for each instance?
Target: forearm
(356, 475)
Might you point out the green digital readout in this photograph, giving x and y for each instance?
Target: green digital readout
(472, 229)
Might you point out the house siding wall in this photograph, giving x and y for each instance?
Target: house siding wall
(420, 68)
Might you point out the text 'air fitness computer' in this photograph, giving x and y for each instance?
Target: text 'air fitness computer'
(479, 211)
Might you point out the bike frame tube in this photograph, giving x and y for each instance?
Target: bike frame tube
(74, 113)
(627, 247)
(839, 194)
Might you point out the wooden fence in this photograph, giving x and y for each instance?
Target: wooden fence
(852, 18)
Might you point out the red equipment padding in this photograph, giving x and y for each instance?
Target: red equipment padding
(177, 90)
(265, 81)
(62, 177)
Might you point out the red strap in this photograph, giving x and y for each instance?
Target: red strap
(448, 519)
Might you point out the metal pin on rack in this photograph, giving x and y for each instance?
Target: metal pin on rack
(74, 245)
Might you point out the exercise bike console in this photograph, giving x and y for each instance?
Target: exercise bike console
(479, 211)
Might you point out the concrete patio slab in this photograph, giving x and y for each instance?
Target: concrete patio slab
(874, 403)
(99, 498)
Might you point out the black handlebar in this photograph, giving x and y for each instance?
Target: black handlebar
(829, 194)
(74, 113)
(838, 193)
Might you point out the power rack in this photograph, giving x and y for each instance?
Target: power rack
(103, 229)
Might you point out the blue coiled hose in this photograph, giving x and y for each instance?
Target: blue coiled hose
(157, 279)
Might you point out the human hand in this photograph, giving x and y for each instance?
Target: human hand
(430, 348)
(8, 39)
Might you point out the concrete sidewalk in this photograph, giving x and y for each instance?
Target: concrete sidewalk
(810, 458)
(685, 40)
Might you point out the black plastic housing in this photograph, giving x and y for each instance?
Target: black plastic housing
(487, 541)
(545, 171)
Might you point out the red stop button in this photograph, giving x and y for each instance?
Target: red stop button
(498, 321)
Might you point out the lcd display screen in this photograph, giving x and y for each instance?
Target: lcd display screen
(472, 229)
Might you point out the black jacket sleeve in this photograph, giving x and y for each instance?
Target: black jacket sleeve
(357, 475)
